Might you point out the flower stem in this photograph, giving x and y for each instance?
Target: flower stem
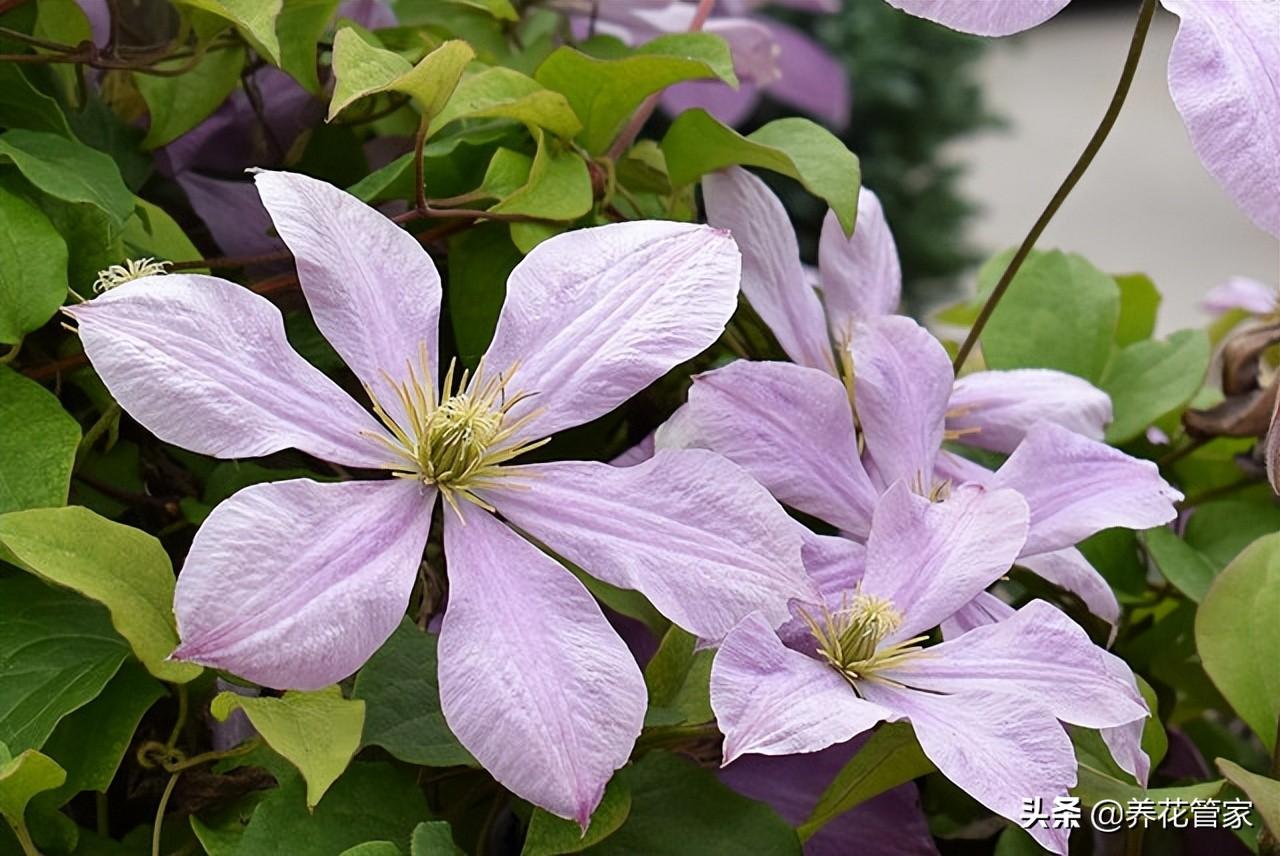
(1145, 14)
(159, 824)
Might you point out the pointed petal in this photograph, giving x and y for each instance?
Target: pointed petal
(731, 106)
(533, 680)
(985, 18)
(835, 564)
(994, 409)
(790, 427)
(771, 700)
(810, 78)
(1069, 569)
(1125, 741)
(1038, 654)
(594, 316)
(233, 213)
(1076, 487)
(984, 609)
(902, 381)
(295, 584)
(373, 290)
(204, 364)
(931, 558)
(772, 278)
(688, 529)
(1222, 77)
(861, 277)
(1240, 292)
(998, 748)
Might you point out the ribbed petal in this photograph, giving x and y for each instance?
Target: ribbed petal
(984, 609)
(204, 364)
(790, 427)
(902, 383)
(1076, 487)
(1039, 654)
(533, 680)
(984, 17)
(931, 558)
(861, 277)
(688, 529)
(295, 584)
(771, 700)
(999, 748)
(993, 409)
(373, 290)
(1240, 292)
(1223, 78)
(594, 316)
(1069, 569)
(772, 279)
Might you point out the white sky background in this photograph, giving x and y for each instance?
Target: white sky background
(1145, 205)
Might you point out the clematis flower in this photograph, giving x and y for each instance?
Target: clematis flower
(294, 584)
(986, 706)
(1221, 78)
(906, 398)
(1242, 293)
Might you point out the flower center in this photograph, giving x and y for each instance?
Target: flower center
(131, 269)
(850, 638)
(458, 441)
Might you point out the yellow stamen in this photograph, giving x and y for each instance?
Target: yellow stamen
(850, 638)
(132, 269)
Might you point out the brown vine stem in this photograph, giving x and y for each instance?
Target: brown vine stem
(1145, 14)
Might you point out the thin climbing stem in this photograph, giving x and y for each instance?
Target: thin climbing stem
(160, 809)
(1139, 39)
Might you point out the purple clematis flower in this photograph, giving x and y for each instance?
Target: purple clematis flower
(986, 706)
(908, 401)
(1222, 78)
(294, 584)
(1244, 294)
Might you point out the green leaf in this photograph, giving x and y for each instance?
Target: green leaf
(96, 236)
(68, 170)
(1220, 530)
(559, 186)
(677, 806)
(1094, 785)
(124, 569)
(91, 742)
(219, 831)
(37, 446)
(152, 233)
(890, 758)
(1180, 563)
(33, 268)
(364, 69)
(697, 143)
(1060, 312)
(370, 802)
(1238, 636)
(1148, 379)
(480, 260)
(503, 93)
(373, 848)
(678, 679)
(604, 93)
(403, 714)
(22, 105)
(318, 732)
(23, 777)
(549, 835)
(500, 9)
(1139, 305)
(255, 19)
(177, 103)
(301, 25)
(1262, 791)
(433, 838)
(57, 651)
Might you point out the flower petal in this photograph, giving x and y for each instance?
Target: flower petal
(771, 700)
(1125, 741)
(373, 290)
(985, 17)
(984, 609)
(902, 381)
(772, 279)
(204, 364)
(861, 277)
(533, 680)
(233, 213)
(810, 78)
(1222, 77)
(993, 409)
(1076, 487)
(999, 748)
(1038, 654)
(1240, 292)
(731, 106)
(594, 316)
(688, 529)
(790, 427)
(1069, 569)
(295, 584)
(931, 558)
